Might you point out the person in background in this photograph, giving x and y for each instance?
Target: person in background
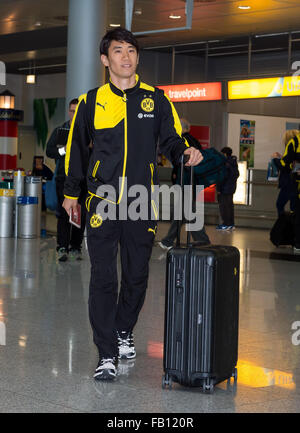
(287, 189)
(291, 162)
(226, 190)
(69, 237)
(200, 237)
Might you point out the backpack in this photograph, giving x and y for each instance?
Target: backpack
(212, 168)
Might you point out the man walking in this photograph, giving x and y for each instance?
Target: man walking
(124, 119)
(69, 237)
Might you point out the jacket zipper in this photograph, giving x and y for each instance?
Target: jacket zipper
(154, 207)
(95, 169)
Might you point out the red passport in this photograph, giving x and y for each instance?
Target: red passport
(76, 220)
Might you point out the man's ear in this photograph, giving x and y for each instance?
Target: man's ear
(104, 60)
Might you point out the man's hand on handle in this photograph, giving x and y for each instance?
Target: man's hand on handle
(69, 204)
(195, 156)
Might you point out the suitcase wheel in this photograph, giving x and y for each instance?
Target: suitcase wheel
(208, 386)
(166, 381)
(234, 374)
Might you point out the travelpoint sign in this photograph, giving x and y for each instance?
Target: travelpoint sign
(193, 92)
(264, 88)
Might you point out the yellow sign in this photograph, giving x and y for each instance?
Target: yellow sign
(264, 88)
(147, 104)
(7, 192)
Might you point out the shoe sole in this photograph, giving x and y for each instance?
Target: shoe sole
(105, 376)
(164, 247)
(126, 356)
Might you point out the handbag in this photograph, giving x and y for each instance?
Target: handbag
(50, 192)
(212, 169)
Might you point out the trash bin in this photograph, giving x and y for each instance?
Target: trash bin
(33, 188)
(19, 176)
(27, 209)
(7, 203)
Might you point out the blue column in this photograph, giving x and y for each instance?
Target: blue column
(86, 26)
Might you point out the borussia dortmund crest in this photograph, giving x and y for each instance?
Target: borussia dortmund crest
(96, 221)
(147, 105)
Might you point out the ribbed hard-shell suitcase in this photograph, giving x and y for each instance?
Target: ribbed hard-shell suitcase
(201, 316)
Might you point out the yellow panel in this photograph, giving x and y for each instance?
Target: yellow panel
(260, 88)
(146, 87)
(110, 108)
(264, 88)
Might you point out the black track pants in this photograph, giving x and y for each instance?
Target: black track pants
(226, 207)
(109, 312)
(68, 236)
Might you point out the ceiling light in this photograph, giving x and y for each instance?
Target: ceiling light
(115, 25)
(244, 7)
(174, 17)
(30, 79)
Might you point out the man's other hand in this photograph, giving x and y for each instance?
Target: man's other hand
(69, 204)
(195, 156)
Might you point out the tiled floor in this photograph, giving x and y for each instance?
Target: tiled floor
(47, 356)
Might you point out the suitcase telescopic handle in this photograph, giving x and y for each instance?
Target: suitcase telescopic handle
(183, 160)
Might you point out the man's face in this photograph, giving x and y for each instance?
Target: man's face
(122, 60)
(39, 163)
(72, 110)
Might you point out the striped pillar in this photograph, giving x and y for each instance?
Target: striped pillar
(9, 138)
(8, 144)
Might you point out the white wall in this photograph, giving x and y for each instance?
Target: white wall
(47, 86)
(268, 136)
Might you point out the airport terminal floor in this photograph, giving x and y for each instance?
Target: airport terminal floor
(47, 357)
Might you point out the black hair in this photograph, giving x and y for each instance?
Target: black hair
(227, 151)
(73, 102)
(118, 34)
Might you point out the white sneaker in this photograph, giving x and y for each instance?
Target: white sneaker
(296, 250)
(106, 369)
(126, 345)
(163, 246)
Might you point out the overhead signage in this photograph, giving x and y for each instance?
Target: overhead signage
(264, 88)
(193, 92)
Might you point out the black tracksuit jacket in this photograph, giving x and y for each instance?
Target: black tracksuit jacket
(124, 127)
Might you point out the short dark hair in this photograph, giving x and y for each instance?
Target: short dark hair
(118, 34)
(73, 102)
(227, 151)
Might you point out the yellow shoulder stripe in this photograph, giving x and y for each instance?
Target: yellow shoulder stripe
(146, 87)
(177, 124)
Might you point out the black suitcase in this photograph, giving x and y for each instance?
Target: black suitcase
(201, 315)
(282, 232)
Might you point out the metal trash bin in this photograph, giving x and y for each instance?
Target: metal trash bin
(7, 204)
(27, 209)
(33, 188)
(19, 177)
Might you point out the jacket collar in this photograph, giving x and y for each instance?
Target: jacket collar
(121, 92)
